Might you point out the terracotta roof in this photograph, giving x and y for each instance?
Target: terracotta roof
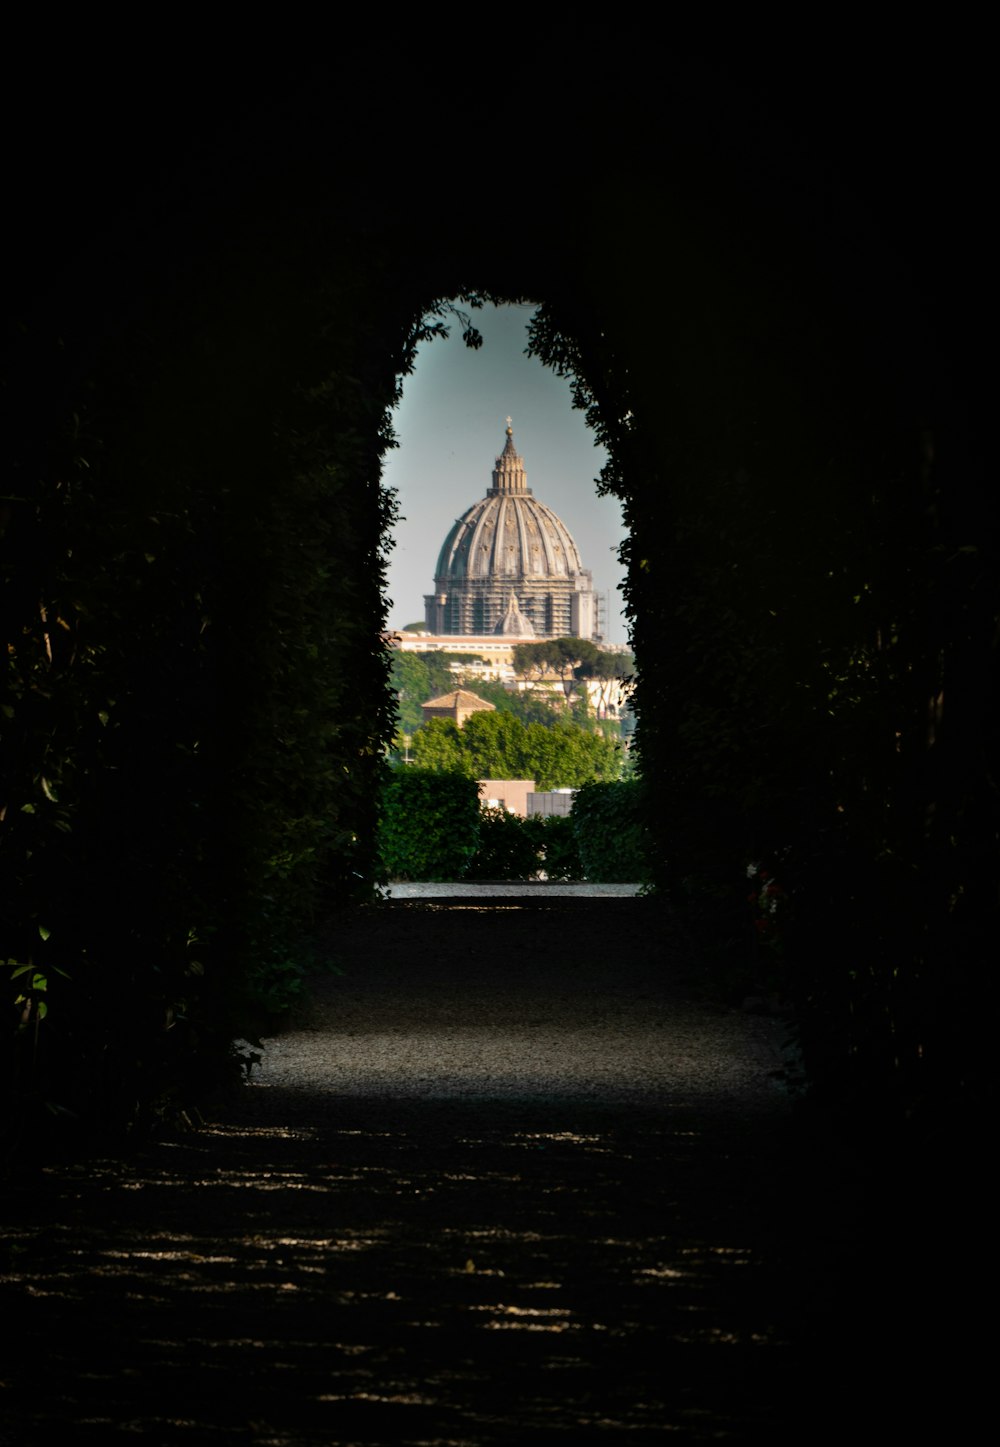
(461, 698)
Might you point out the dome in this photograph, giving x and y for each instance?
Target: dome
(508, 534)
(510, 546)
(514, 624)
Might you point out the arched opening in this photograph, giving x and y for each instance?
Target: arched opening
(509, 674)
(449, 425)
(768, 292)
(205, 527)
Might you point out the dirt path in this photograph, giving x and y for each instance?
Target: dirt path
(511, 1177)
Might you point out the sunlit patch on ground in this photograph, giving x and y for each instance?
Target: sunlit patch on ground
(229, 1132)
(543, 1252)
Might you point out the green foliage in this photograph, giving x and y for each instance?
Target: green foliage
(107, 850)
(498, 746)
(416, 677)
(530, 705)
(198, 705)
(561, 851)
(559, 656)
(509, 847)
(438, 746)
(31, 987)
(567, 757)
(609, 670)
(192, 570)
(611, 834)
(428, 824)
(432, 827)
(268, 990)
(805, 594)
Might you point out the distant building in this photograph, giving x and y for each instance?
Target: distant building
(552, 801)
(608, 697)
(514, 795)
(519, 796)
(458, 706)
(499, 652)
(509, 568)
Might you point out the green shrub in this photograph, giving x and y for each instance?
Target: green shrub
(428, 824)
(610, 832)
(509, 847)
(562, 854)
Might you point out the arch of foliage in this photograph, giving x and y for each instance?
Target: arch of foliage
(194, 546)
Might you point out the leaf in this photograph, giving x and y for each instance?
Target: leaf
(44, 931)
(48, 791)
(56, 1109)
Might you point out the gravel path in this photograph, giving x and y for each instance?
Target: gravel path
(489, 997)
(510, 1177)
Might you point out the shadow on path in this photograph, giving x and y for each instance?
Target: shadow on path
(515, 1242)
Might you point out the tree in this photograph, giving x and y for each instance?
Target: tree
(609, 670)
(495, 746)
(528, 661)
(566, 757)
(530, 705)
(568, 655)
(500, 746)
(559, 656)
(416, 677)
(438, 745)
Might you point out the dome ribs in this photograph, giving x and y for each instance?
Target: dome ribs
(506, 541)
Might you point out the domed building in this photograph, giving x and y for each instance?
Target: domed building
(509, 566)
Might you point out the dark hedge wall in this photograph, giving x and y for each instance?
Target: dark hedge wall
(209, 317)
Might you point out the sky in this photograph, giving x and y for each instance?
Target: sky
(450, 428)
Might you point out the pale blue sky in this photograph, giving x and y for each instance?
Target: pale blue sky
(450, 425)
